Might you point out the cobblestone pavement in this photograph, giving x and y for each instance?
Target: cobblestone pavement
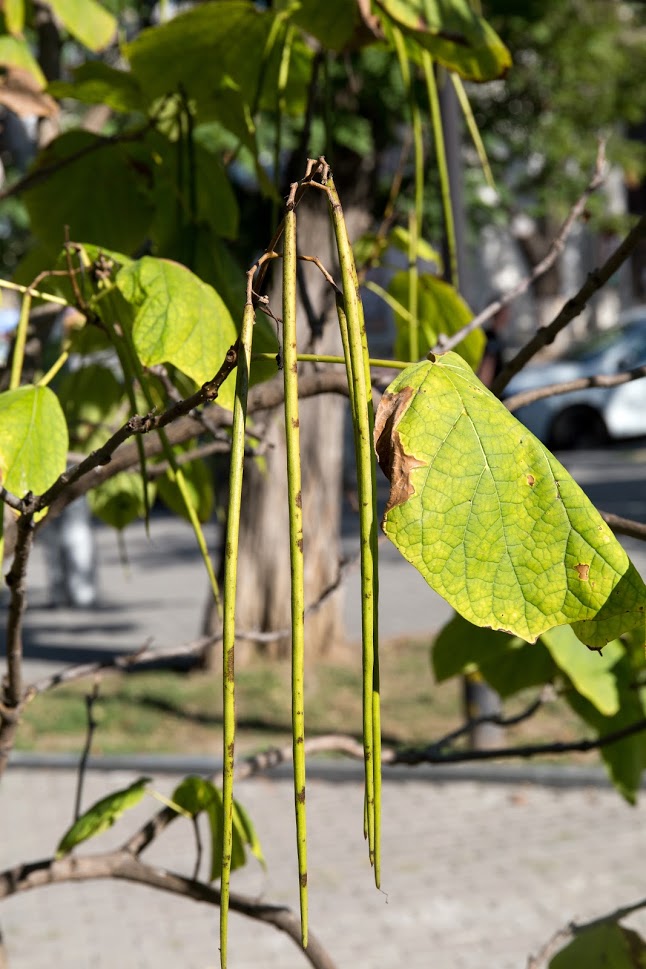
(475, 875)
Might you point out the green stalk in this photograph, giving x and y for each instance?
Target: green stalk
(229, 616)
(20, 342)
(283, 75)
(330, 358)
(292, 434)
(359, 377)
(440, 153)
(34, 293)
(54, 369)
(473, 128)
(415, 217)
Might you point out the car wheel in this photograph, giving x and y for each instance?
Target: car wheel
(578, 428)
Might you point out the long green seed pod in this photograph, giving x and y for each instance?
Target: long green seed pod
(292, 434)
(442, 167)
(415, 217)
(229, 617)
(358, 375)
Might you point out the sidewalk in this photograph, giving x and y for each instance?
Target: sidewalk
(474, 875)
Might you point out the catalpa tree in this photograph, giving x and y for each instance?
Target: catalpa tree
(174, 345)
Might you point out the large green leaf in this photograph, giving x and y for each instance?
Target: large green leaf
(33, 439)
(95, 82)
(86, 20)
(101, 191)
(506, 662)
(454, 34)
(178, 319)
(490, 518)
(441, 310)
(224, 38)
(603, 946)
(590, 672)
(102, 815)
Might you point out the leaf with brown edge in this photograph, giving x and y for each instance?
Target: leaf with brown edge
(491, 519)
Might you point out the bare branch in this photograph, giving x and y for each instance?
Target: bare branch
(594, 282)
(582, 383)
(430, 754)
(124, 866)
(625, 526)
(540, 268)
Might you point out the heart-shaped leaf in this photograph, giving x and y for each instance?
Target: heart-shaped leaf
(491, 519)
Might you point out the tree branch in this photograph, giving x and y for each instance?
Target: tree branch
(124, 866)
(581, 383)
(540, 268)
(625, 526)
(574, 306)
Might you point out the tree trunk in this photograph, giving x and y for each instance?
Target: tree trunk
(263, 565)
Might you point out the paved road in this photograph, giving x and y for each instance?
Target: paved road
(474, 874)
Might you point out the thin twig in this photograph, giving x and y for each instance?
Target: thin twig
(581, 383)
(122, 865)
(430, 754)
(90, 700)
(595, 281)
(539, 269)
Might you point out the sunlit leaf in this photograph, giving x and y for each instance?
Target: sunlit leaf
(86, 20)
(441, 310)
(33, 439)
(490, 518)
(178, 319)
(590, 672)
(454, 34)
(102, 815)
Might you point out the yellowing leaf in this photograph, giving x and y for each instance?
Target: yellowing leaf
(33, 439)
(178, 319)
(590, 672)
(491, 519)
(86, 20)
(441, 310)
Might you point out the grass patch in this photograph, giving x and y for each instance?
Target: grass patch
(181, 713)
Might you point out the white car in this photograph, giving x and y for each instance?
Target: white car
(596, 415)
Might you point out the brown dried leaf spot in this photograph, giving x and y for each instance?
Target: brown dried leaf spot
(393, 460)
(531, 480)
(583, 570)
